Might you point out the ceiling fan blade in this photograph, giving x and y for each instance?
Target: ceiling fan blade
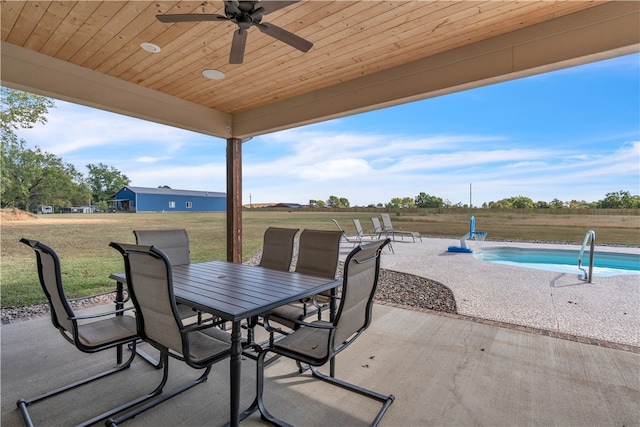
(191, 18)
(273, 5)
(285, 36)
(237, 46)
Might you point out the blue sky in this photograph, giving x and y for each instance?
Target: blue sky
(572, 134)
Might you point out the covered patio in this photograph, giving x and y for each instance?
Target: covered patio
(365, 55)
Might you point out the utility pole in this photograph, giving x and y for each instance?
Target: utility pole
(250, 204)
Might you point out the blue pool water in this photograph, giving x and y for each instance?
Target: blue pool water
(563, 260)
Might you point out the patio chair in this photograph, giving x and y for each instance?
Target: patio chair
(317, 343)
(277, 248)
(88, 333)
(277, 253)
(150, 284)
(388, 228)
(175, 245)
(318, 256)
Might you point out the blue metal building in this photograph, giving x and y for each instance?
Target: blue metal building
(141, 199)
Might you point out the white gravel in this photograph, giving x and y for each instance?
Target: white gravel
(607, 309)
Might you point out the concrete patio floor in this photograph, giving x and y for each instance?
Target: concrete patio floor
(445, 370)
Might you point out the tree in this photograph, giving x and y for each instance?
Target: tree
(424, 200)
(522, 202)
(31, 177)
(557, 204)
(619, 199)
(337, 202)
(104, 181)
(404, 202)
(21, 110)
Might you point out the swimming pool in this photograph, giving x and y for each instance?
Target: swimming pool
(563, 260)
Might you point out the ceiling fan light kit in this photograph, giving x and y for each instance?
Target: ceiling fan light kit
(246, 14)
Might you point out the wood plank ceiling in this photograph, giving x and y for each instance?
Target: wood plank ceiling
(351, 40)
(365, 55)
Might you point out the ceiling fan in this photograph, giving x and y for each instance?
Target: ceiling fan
(246, 14)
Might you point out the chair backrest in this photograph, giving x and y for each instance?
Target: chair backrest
(174, 243)
(50, 276)
(318, 252)
(360, 280)
(386, 221)
(335, 221)
(150, 285)
(358, 226)
(376, 225)
(277, 249)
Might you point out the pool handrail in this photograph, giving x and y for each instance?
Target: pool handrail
(590, 236)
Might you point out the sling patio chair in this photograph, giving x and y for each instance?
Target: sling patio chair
(389, 229)
(150, 284)
(317, 343)
(175, 245)
(88, 333)
(362, 234)
(318, 254)
(277, 248)
(277, 253)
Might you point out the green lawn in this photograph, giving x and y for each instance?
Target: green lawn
(82, 240)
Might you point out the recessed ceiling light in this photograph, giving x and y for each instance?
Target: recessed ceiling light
(150, 47)
(213, 74)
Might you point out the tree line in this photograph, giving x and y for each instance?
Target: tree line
(616, 200)
(32, 177)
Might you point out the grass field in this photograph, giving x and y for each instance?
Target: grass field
(82, 240)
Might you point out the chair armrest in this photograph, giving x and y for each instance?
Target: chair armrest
(317, 305)
(91, 296)
(210, 323)
(93, 316)
(98, 295)
(316, 325)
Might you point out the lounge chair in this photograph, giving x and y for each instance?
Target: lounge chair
(377, 227)
(150, 284)
(349, 238)
(317, 343)
(89, 334)
(362, 234)
(389, 229)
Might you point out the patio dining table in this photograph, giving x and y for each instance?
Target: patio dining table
(235, 292)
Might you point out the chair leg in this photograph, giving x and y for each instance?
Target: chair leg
(146, 356)
(386, 400)
(259, 402)
(158, 392)
(267, 416)
(23, 403)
